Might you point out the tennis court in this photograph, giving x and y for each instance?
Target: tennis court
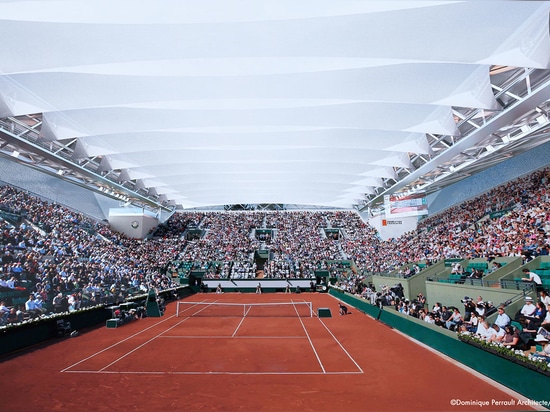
(243, 352)
(226, 337)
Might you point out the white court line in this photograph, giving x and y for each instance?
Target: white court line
(152, 339)
(140, 346)
(238, 326)
(309, 339)
(118, 343)
(213, 373)
(102, 370)
(339, 344)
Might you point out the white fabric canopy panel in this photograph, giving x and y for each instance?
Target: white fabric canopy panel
(421, 83)
(328, 138)
(253, 101)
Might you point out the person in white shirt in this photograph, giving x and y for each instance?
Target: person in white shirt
(544, 298)
(4, 312)
(12, 283)
(3, 283)
(483, 329)
(429, 318)
(502, 319)
(39, 304)
(72, 303)
(545, 352)
(30, 307)
(546, 321)
(528, 309)
(457, 268)
(473, 323)
(480, 306)
(455, 320)
(496, 334)
(532, 277)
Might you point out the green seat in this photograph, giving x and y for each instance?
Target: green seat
(454, 278)
(19, 301)
(517, 325)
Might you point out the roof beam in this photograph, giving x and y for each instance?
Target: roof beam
(533, 99)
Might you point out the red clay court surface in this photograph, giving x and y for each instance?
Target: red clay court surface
(341, 363)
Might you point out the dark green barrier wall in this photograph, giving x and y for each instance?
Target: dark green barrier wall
(21, 336)
(527, 382)
(15, 339)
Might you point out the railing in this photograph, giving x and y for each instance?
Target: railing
(501, 283)
(387, 274)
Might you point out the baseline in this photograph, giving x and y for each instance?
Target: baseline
(313, 373)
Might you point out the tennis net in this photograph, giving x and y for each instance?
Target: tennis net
(266, 310)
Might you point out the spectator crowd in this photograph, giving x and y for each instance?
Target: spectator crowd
(65, 260)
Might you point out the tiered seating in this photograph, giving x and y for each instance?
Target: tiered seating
(11, 296)
(455, 278)
(184, 268)
(11, 216)
(482, 266)
(452, 277)
(544, 272)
